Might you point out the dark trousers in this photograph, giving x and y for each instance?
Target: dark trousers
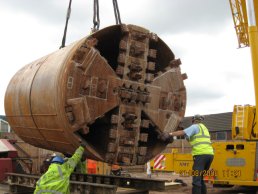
(201, 164)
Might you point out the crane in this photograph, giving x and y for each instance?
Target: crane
(245, 15)
(235, 162)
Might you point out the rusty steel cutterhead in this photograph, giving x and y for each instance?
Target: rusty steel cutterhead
(116, 89)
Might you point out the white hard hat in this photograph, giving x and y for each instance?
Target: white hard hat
(197, 117)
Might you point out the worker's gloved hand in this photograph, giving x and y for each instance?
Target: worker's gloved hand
(166, 137)
(83, 144)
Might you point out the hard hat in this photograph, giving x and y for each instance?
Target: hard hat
(53, 155)
(197, 117)
(57, 159)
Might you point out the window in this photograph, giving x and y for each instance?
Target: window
(221, 135)
(4, 127)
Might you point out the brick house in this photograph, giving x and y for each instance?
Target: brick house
(219, 125)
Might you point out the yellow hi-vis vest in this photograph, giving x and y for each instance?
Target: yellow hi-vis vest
(57, 179)
(201, 142)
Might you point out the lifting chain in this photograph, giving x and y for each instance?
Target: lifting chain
(66, 24)
(116, 12)
(96, 20)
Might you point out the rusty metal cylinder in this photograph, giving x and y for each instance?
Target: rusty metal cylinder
(116, 89)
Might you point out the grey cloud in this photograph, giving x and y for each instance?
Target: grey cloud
(158, 15)
(201, 94)
(50, 11)
(45, 10)
(185, 15)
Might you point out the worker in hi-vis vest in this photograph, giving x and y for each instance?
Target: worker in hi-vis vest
(57, 178)
(202, 151)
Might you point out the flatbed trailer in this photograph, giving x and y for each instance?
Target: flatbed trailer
(93, 184)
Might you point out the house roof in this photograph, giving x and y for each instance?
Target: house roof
(6, 146)
(214, 122)
(3, 117)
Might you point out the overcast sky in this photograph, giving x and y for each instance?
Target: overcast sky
(199, 32)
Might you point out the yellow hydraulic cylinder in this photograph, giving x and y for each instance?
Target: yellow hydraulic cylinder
(252, 7)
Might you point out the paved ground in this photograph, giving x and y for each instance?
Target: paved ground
(178, 190)
(4, 189)
(187, 189)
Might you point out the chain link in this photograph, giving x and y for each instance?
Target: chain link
(96, 21)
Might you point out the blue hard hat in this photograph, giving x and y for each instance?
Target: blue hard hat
(57, 159)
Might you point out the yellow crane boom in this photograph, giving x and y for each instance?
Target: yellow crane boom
(238, 10)
(245, 15)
